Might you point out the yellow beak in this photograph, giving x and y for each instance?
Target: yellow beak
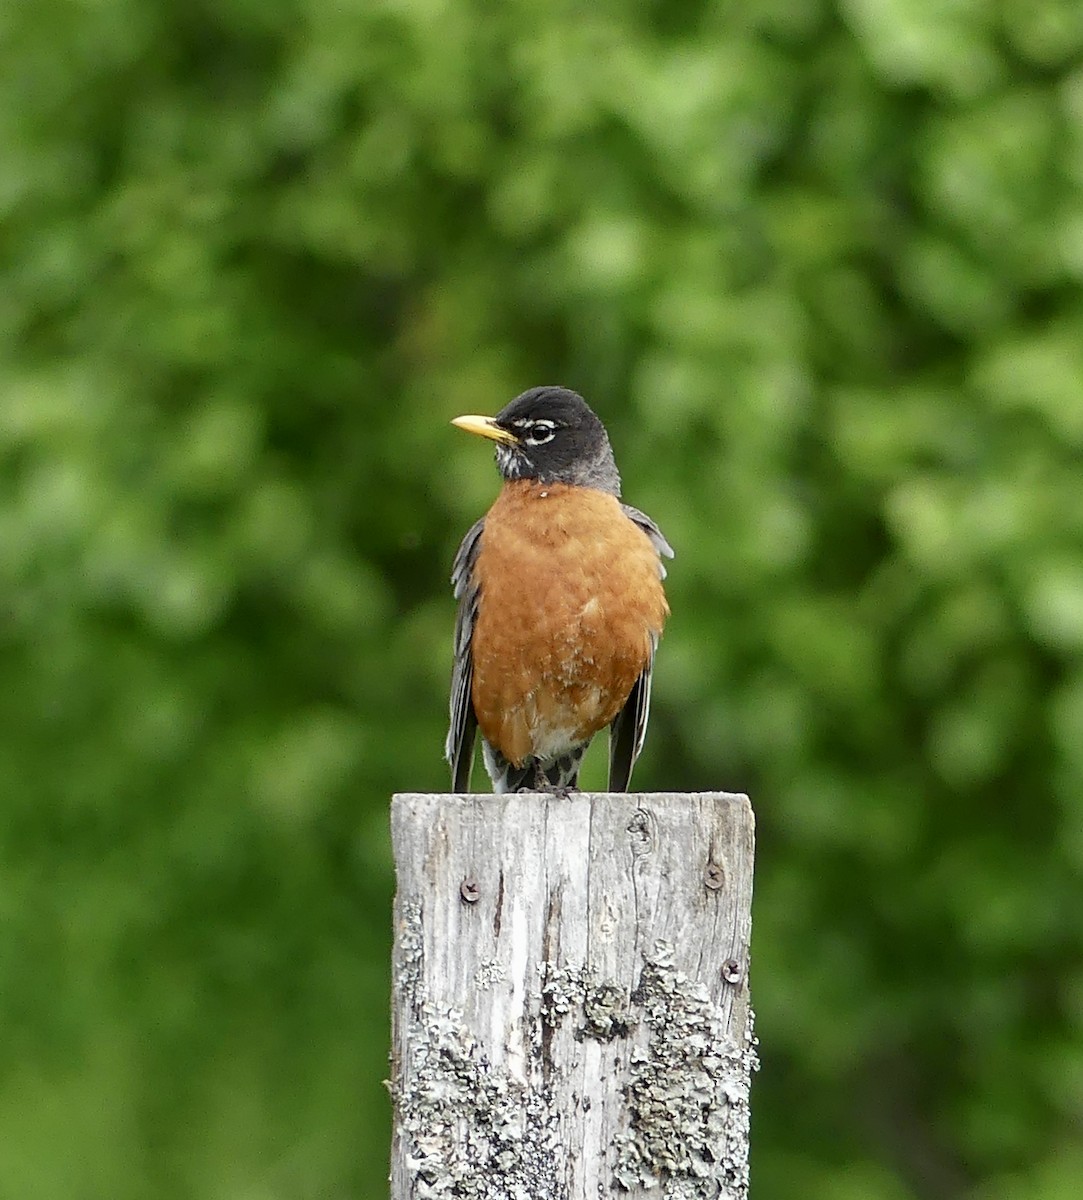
(486, 427)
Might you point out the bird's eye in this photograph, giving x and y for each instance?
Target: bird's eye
(539, 432)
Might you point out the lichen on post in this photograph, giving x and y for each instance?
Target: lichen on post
(570, 996)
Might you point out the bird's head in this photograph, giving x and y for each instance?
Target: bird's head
(550, 434)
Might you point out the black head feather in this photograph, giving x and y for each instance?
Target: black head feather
(558, 439)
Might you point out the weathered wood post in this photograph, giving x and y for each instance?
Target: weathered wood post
(570, 1002)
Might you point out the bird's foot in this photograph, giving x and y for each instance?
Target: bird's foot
(550, 789)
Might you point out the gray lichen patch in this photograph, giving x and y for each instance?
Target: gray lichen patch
(605, 1008)
(473, 1133)
(607, 1014)
(409, 950)
(687, 1094)
(491, 971)
(561, 992)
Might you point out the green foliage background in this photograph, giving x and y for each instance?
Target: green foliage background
(817, 265)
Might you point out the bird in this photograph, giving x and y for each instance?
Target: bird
(560, 604)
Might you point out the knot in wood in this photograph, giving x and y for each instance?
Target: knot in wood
(641, 831)
(714, 877)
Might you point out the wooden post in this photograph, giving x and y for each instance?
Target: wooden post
(570, 1010)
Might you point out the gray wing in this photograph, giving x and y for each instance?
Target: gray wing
(658, 538)
(459, 747)
(628, 730)
(629, 726)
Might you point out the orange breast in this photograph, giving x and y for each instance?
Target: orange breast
(570, 598)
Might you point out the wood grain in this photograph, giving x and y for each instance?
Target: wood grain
(570, 1000)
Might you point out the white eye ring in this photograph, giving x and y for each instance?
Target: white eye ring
(539, 432)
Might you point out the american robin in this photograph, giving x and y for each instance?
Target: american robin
(560, 604)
